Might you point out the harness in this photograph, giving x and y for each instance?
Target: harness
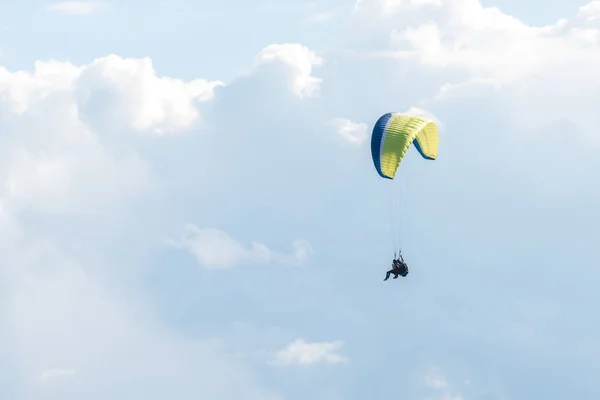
(398, 265)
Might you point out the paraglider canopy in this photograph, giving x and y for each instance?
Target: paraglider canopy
(392, 135)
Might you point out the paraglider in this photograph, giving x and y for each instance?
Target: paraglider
(399, 267)
(392, 136)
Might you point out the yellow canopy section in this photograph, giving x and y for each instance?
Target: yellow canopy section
(392, 135)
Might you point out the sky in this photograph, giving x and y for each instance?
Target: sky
(189, 207)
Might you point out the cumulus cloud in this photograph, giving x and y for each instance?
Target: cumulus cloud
(51, 161)
(63, 313)
(438, 386)
(128, 92)
(120, 91)
(480, 50)
(301, 60)
(77, 7)
(58, 154)
(301, 352)
(353, 132)
(475, 43)
(388, 8)
(488, 42)
(434, 378)
(590, 11)
(73, 174)
(215, 249)
(69, 146)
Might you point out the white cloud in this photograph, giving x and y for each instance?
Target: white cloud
(67, 147)
(129, 92)
(387, 8)
(476, 48)
(59, 154)
(484, 40)
(300, 60)
(50, 160)
(590, 11)
(435, 379)
(121, 92)
(61, 312)
(302, 252)
(438, 385)
(66, 188)
(215, 249)
(353, 132)
(22, 90)
(426, 114)
(305, 353)
(77, 7)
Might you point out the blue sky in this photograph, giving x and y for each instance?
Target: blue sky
(189, 208)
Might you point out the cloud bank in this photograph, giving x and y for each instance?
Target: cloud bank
(100, 162)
